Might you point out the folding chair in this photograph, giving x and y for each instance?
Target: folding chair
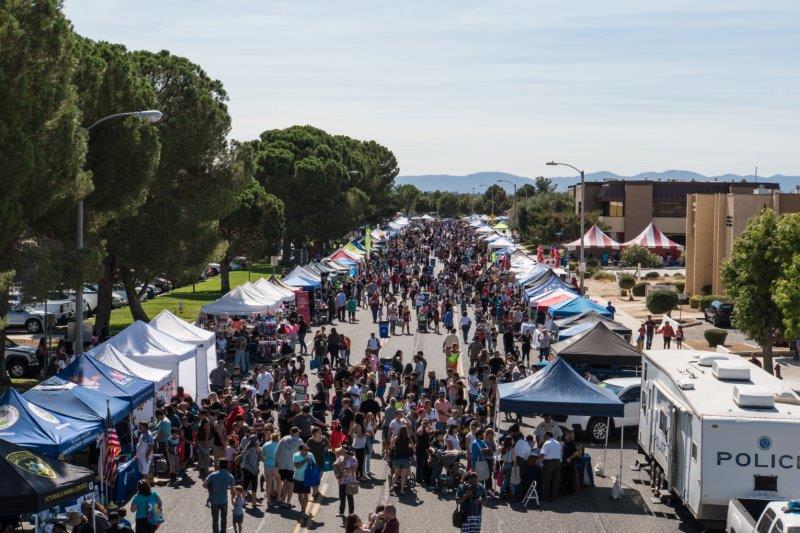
(531, 495)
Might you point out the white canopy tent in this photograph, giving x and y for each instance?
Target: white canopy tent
(265, 294)
(484, 229)
(155, 349)
(205, 340)
(282, 287)
(274, 292)
(239, 302)
(501, 243)
(163, 380)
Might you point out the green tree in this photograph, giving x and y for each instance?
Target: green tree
(544, 185)
(406, 195)
(639, 255)
(328, 184)
(174, 233)
(123, 154)
(526, 191)
(495, 200)
(550, 217)
(749, 274)
(254, 227)
(787, 288)
(424, 204)
(448, 205)
(42, 145)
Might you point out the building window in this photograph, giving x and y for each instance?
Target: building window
(669, 209)
(613, 209)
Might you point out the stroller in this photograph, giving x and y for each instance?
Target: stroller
(422, 323)
(452, 470)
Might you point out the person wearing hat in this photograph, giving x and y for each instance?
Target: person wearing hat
(78, 522)
(470, 496)
(99, 520)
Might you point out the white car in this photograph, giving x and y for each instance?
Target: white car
(58, 304)
(594, 428)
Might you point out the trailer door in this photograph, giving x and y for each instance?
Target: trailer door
(646, 415)
(683, 453)
(664, 434)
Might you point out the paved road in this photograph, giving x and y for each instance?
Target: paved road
(421, 510)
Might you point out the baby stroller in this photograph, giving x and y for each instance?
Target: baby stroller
(452, 470)
(422, 323)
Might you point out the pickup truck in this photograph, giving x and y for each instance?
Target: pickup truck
(763, 516)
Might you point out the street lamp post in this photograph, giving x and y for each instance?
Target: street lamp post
(152, 116)
(582, 264)
(516, 218)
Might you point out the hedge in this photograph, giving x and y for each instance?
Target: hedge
(640, 288)
(715, 337)
(606, 276)
(694, 301)
(680, 285)
(652, 275)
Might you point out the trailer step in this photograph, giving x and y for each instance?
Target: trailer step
(664, 494)
(639, 464)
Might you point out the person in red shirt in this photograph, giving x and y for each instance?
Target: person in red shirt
(236, 413)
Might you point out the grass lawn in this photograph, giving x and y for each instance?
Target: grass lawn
(193, 297)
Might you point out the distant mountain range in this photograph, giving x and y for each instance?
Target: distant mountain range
(479, 181)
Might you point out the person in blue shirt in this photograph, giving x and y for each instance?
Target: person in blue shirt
(611, 309)
(221, 484)
(470, 496)
(301, 460)
(141, 503)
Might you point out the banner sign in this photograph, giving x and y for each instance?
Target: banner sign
(303, 309)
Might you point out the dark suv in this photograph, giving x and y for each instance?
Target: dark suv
(719, 313)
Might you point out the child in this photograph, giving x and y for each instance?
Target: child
(238, 508)
(679, 337)
(173, 454)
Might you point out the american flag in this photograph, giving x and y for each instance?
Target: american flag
(111, 450)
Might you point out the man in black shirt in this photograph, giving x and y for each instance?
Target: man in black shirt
(496, 363)
(347, 416)
(371, 405)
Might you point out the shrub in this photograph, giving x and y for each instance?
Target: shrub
(705, 301)
(636, 255)
(592, 263)
(661, 301)
(623, 292)
(694, 301)
(680, 285)
(715, 337)
(651, 275)
(678, 275)
(572, 266)
(605, 276)
(705, 290)
(640, 288)
(626, 283)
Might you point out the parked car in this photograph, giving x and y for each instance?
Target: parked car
(60, 305)
(594, 428)
(162, 285)
(32, 321)
(21, 360)
(719, 313)
(149, 293)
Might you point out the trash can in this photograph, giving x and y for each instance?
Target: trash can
(383, 329)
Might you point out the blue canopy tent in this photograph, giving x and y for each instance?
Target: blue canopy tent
(576, 307)
(295, 280)
(93, 375)
(66, 398)
(558, 389)
(40, 430)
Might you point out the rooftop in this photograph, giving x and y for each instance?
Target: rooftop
(713, 397)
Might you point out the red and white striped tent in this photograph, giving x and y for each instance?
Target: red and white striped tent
(653, 238)
(594, 238)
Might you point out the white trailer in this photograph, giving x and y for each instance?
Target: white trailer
(714, 428)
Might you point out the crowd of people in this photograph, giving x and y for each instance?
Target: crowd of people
(276, 421)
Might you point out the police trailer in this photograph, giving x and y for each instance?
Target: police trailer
(714, 427)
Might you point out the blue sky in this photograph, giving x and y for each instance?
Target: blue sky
(459, 86)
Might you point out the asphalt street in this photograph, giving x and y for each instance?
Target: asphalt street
(590, 509)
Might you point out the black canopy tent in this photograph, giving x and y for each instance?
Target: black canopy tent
(558, 389)
(598, 345)
(30, 483)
